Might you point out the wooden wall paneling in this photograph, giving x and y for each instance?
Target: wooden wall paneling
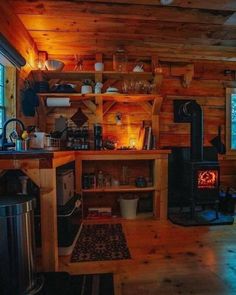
(10, 91)
(15, 32)
(99, 109)
(228, 93)
(22, 41)
(123, 11)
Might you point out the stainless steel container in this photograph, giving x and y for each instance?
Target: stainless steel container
(22, 145)
(17, 247)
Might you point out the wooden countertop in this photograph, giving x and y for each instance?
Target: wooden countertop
(51, 159)
(39, 154)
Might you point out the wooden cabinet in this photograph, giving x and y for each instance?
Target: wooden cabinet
(150, 165)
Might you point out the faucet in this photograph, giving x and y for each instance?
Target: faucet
(4, 144)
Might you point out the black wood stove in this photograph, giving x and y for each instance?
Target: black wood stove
(200, 178)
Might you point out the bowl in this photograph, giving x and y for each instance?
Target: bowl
(54, 65)
(112, 90)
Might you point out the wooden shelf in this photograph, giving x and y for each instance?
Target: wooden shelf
(117, 97)
(75, 76)
(123, 188)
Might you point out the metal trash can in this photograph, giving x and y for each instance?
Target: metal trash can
(17, 246)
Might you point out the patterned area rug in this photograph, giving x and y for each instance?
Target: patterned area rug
(98, 242)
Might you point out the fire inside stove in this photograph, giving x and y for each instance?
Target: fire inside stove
(207, 178)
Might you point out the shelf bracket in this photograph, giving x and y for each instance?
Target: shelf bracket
(188, 75)
(99, 109)
(158, 81)
(33, 174)
(90, 105)
(156, 107)
(146, 106)
(107, 106)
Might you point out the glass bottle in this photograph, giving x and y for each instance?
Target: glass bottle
(100, 179)
(120, 61)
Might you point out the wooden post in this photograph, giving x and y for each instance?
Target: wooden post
(48, 219)
(156, 120)
(156, 184)
(161, 168)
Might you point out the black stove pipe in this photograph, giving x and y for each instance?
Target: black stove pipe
(193, 110)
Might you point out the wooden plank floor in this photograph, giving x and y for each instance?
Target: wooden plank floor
(170, 259)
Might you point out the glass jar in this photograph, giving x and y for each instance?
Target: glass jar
(120, 61)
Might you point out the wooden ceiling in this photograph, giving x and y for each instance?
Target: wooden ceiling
(184, 30)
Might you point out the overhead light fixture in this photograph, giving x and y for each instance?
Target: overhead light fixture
(166, 2)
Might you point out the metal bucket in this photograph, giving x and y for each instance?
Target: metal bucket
(17, 247)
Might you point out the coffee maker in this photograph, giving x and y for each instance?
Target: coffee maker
(97, 131)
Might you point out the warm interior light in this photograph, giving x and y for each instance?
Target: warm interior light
(132, 143)
(158, 69)
(40, 62)
(207, 178)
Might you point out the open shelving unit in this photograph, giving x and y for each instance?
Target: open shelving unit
(78, 75)
(117, 97)
(121, 188)
(150, 164)
(100, 104)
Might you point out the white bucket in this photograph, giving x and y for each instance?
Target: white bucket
(128, 208)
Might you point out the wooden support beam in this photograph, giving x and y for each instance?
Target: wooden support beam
(99, 109)
(146, 106)
(158, 81)
(33, 174)
(90, 105)
(48, 219)
(188, 75)
(156, 107)
(107, 106)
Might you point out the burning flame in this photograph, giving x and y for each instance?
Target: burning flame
(207, 179)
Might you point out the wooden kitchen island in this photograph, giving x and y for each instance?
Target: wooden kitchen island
(41, 166)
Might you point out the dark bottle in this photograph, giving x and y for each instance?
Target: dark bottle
(97, 136)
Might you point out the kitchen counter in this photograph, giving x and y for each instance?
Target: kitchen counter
(40, 166)
(34, 159)
(53, 159)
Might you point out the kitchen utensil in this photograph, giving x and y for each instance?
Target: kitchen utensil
(64, 88)
(37, 140)
(22, 145)
(54, 65)
(120, 60)
(79, 118)
(14, 135)
(99, 66)
(138, 68)
(58, 134)
(112, 90)
(217, 143)
(52, 144)
(85, 89)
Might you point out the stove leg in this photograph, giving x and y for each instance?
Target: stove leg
(217, 210)
(192, 209)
